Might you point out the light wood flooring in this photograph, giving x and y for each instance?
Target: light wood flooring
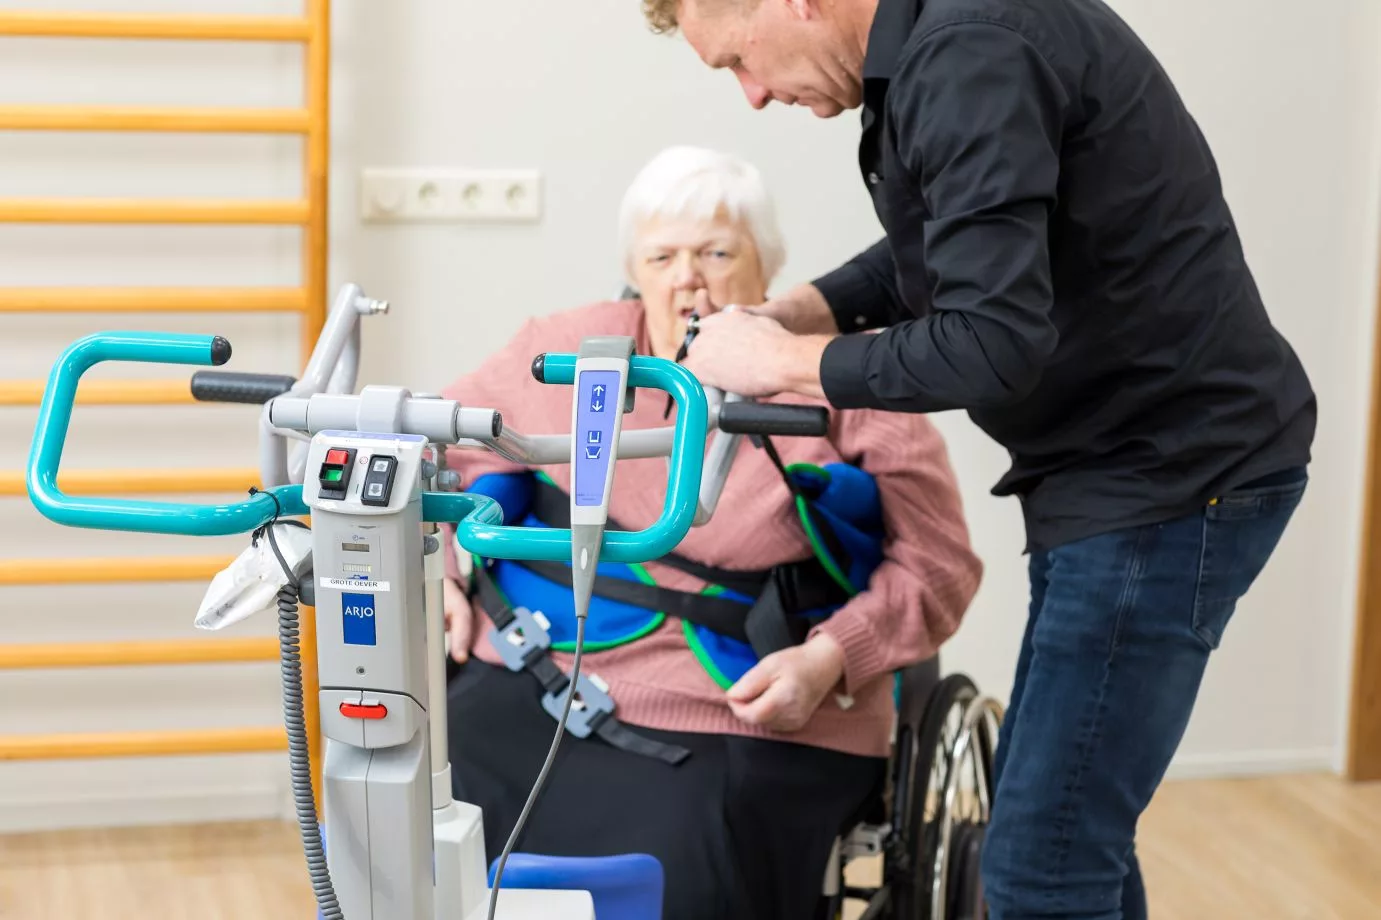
(1282, 848)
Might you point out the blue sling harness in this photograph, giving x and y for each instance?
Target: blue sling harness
(739, 618)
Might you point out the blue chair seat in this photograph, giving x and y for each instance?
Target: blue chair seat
(624, 887)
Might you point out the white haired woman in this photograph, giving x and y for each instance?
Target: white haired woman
(771, 756)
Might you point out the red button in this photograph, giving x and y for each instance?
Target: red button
(337, 456)
(363, 710)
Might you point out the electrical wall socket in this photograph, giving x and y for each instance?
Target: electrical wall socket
(451, 195)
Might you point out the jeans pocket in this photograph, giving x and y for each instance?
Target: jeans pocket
(1240, 532)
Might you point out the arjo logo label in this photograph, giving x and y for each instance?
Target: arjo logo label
(357, 619)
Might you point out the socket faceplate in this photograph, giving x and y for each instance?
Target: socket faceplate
(451, 195)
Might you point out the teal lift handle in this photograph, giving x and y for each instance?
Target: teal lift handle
(683, 487)
(478, 518)
(55, 416)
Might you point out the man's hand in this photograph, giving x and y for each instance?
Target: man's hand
(458, 620)
(783, 691)
(754, 355)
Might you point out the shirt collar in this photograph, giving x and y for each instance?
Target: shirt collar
(891, 29)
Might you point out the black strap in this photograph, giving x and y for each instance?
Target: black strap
(771, 624)
(764, 442)
(822, 529)
(616, 734)
(552, 507)
(723, 615)
(554, 680)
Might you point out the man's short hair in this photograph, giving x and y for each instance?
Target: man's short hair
(661, 14)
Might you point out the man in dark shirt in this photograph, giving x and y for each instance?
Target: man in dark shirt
(1060, 262)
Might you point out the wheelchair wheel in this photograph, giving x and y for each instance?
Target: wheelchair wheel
(940, 806)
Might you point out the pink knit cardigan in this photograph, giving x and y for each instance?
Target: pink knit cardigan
(914, 601)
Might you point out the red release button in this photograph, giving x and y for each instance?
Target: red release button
(337, 456)
(363, 710)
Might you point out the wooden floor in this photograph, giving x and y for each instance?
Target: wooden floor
(1284, 848)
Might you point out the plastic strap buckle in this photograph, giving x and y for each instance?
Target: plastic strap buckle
(592, 706)
(522, 640)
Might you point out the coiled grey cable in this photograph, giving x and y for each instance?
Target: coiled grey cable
(294, 719)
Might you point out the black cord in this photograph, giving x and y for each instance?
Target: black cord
(266, 529)
(692, 330)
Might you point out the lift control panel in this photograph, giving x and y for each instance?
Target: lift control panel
(364, 490)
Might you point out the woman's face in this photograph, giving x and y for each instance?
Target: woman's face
(675, 258)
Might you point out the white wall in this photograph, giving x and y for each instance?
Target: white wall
(1290, 105)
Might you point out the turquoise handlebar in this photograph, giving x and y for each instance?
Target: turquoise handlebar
(478, 519)
(55, 416)
(683, 486)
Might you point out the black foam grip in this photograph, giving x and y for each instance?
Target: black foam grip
(230, 387)
(768, 418)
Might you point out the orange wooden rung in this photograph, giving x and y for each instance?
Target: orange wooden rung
(146, 118)
(139, 482)
(103, 392)
(153, 25)
(134, 653)
(78, 570)
(150, 211)
(152, 300)
(142, 744)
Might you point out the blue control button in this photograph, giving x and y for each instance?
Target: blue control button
(598, 397)
(592, 453)
(594, 437)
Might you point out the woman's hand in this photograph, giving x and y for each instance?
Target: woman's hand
(459, 619)
(783, 690)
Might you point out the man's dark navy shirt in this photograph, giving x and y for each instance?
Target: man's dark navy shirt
(1059, 261)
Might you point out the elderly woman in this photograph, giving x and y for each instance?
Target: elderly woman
(737, 779)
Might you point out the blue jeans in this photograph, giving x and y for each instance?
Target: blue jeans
(1120, 630)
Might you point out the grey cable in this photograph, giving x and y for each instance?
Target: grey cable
(299, 760)
(546, 767)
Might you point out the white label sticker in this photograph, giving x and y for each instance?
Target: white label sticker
(353, 584)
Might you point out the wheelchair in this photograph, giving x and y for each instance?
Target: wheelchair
(921, 838)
